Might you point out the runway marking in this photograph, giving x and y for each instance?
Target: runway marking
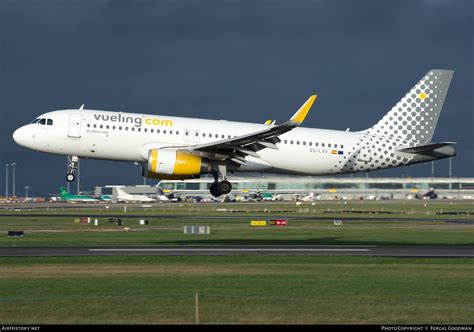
(227, 249)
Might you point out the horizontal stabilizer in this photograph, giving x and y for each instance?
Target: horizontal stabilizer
(423, 148)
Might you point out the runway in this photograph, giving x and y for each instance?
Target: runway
(222, 250)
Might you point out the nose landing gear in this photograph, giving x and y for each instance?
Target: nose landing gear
(71, 169)
(220, 187)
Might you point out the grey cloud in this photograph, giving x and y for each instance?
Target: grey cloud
(238, 60)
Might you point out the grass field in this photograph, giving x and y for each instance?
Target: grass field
(239, 289)
(242, 289)
(408, 224)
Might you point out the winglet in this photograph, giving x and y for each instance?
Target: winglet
(300, 115)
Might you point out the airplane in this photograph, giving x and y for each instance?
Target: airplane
(122, 196)
(310, 197)
(430, 194)
(105, 198)
(271, 197)
(182, 148)
(162, 197)
(66, 196)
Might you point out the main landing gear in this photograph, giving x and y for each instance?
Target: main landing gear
(220, 187)
(71, 168)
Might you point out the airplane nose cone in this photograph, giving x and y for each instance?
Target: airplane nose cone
(19, 136)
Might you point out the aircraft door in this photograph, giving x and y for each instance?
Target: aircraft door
(75, 120)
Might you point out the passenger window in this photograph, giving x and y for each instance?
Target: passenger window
(285, 141)
(335, 145)
(329, 145)
(217, 136)
(113, 127)
(310, 143)
(95, 126)
(145, 130)
(291, 142)
(171, 132)
(88, 125)
(101, 126)
(139, 129)
(316, 144)
(50, 122)
(203, 134)
(228, 136)
(342, 146)
(157, 131)
(126, 128)
(222, 136)
(177, 132)
(164, 131)
(152, 130)
(297, 142)
(196, 134)
(120, 127)
(304, 142)
(107, 127)
(322, 144)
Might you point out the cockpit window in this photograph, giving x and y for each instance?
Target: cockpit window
(42, 121)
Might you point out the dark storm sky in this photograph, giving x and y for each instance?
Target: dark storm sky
(235, 60)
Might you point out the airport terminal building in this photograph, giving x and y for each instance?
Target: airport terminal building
(324, 187)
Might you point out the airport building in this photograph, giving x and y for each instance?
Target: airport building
(324, 187)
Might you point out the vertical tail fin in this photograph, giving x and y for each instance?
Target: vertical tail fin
(415, 116)
(63, 192)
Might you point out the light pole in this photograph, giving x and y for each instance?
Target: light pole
(26, 190)
(6, 180)
(141, 166)
(13, 184)
(450, 173)
(68, 184)
(78, 176)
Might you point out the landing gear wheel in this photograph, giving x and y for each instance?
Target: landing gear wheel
(213, 190)
(224, 187)
(70, 177)
(71, 168)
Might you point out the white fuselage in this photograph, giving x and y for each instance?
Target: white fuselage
(129, 137)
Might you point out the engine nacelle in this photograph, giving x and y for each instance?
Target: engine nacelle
(170, 164)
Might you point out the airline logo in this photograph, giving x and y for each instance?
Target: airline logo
(136, 121)
(337, 152)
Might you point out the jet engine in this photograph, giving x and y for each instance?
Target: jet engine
(168, 164)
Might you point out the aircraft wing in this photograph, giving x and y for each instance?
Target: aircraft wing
(237, 148)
